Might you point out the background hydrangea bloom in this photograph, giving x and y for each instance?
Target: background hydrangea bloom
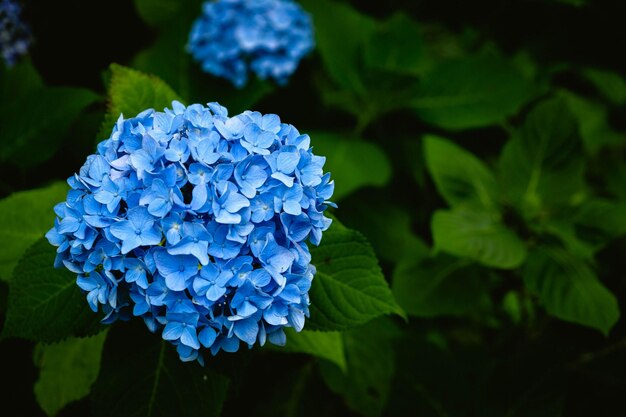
(15, 36)
(267, 37)
(197, 222)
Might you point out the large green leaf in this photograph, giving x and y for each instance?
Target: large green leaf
(543, 165)
(39, 121)
(24, 218)
(325, 345)
(67, 371)
(353, 164)
(438, 286)
(460, 176)
(142, 375)
(131, 92)
(471, 92)
(569, 289)
(371, 366)
(349, 288)
(341, 35)
(45, 304)
(478, 235)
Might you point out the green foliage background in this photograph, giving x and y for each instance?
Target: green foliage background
(476, 266)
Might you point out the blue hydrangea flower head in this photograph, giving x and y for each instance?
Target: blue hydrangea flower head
(267, 37)
(15, 36)
(198, 223)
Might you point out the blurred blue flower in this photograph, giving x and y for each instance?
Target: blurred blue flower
(267, 37)
(197, 222)
(15, 35)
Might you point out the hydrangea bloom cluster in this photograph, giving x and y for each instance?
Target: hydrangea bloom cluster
(268, 37)
(15, 36)
(197, 222)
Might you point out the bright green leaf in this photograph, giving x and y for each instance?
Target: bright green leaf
(460, 176)
(543, 165)
(609, 84)
(45, 304)
(39, 120)
(24, 218)
(349, 288)
(142, 376)
(438, 286)
(471, 92)
(131, 92)
(570, 290)
(325, 345)
(67, 371)
(341, 35)
(353, 164)
(371, 366)
(477, 235)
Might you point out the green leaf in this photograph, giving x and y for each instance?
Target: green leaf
(371, 366)
(594, 125)
(353, 164)
(131, 92)
(397, 46)
(45, 304)
(142, 375)
(324, 345)
(67, 371)
(611, 85)
(39, 120)
(477, 235)
(460, 176)
(570, 290)
(341, 35)
(24, 218)
(471, 92)
(543, 165)
(438, 286)
(349, 288)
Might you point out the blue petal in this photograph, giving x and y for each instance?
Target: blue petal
(172, 331)
(247, 330)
